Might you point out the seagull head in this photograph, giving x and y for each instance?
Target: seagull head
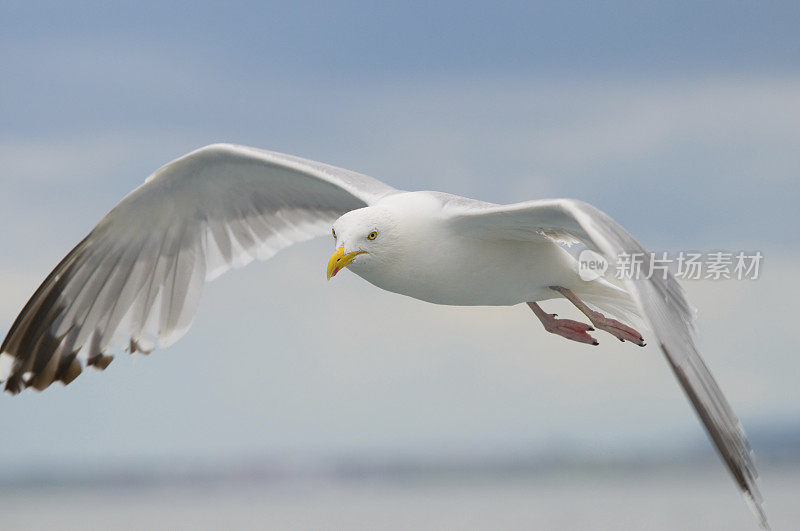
(365, 239)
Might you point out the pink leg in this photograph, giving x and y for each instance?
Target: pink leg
(574, 330)
(600, 321)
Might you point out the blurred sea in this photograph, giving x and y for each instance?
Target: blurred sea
(698, 497)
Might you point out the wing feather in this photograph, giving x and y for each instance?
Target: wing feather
(135, 281)
(661, 300)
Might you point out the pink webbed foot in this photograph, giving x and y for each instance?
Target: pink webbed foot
(615, 328)
(612, 326)
(567, 328)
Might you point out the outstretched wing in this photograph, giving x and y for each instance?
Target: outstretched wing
(662, 302)
(135, 281)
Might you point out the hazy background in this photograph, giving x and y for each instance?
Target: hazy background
(679, 120)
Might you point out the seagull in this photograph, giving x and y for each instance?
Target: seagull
(134, 283)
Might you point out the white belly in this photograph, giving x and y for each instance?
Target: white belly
(476, 272)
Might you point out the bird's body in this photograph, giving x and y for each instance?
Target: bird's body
(438, 263)
(135, 281)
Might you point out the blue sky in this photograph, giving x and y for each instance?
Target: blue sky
(679, 120)
(365, 39)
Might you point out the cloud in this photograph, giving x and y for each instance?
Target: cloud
(674, 144)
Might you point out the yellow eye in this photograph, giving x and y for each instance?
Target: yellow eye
(333, 231)
(372, 235)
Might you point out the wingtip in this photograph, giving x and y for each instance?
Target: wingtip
(758, 510)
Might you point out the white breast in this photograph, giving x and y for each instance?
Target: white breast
(440, 266)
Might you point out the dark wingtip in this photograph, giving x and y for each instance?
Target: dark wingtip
(100, 361)
(69, 368)
(13, 385)
(733, 448)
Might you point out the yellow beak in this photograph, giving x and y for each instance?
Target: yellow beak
(339, 260)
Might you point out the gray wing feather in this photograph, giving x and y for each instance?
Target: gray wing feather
(135, 281)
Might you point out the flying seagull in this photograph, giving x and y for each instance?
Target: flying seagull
(134, 283)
